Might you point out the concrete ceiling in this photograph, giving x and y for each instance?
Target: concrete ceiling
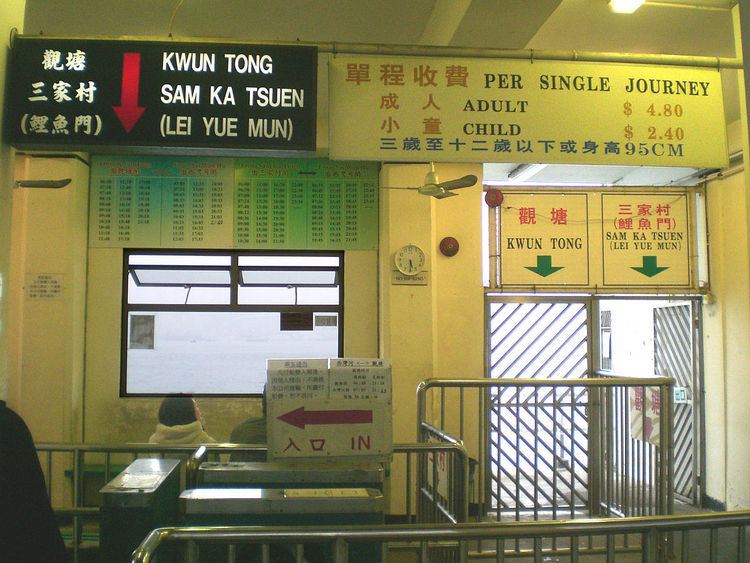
(680, 27)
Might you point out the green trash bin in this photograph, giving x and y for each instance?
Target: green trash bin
(334, 506)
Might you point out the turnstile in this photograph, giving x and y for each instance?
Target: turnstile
(146, 495)
(274, 475)
(285, 507)
(141, 498)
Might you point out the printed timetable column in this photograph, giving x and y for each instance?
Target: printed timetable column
(334, 223)
(368, 216)
(279, 205)
(198, 211)
(125, 203)
(296, 222)
(200, 202)
(174, 220)
(260, 213)
(316, 237)
(103, 210)
(351, 212)
(219, 199)
(243, 194)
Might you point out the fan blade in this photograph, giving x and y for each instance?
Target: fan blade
(399, 188)
(444, 194)
(465, 182)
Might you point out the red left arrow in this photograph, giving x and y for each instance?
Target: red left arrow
(300, 417)
(129, 112)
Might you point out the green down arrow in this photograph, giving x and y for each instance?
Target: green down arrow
(649, 267)
(544, 266)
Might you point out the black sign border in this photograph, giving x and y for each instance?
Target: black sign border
(150, 142)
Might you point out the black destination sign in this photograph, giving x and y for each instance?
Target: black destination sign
(97, 94)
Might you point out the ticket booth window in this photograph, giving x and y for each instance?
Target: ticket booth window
(205, 323)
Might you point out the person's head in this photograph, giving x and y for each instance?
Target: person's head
(179, 409)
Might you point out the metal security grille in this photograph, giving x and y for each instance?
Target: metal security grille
(673, 357)
(538, 439)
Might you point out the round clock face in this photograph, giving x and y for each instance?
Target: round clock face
(410, 260)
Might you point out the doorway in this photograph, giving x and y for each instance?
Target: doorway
(647, 337)
(541, 337)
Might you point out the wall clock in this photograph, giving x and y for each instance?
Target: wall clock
(410, 260)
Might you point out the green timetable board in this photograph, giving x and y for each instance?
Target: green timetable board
(313, 204)
(191, 202)
(167, 202)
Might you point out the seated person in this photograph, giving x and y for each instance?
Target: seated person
(179, 423)
(251, 431)
(29, 532)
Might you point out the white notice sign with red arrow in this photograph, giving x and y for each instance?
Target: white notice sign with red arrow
(339, 408)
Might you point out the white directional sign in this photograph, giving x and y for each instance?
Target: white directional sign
(338, 408)
(544, 239)
(645, 239)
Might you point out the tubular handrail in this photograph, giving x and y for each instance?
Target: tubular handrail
(604, 482)
(134, 447)
(584, 381)
(435, 431)
(462, 499)
(431, 533)
(454, 508)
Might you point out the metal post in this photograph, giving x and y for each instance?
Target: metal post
(340, 551)
(408, 488)
(667, 422)
(482, 493)
(77, 499)
(595, 451)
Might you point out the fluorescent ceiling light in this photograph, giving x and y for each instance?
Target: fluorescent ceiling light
(625, 6)
(523, 172)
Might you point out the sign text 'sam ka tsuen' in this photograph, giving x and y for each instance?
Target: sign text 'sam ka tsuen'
(645, 239)
(95, 94)
(632, 238)
(508, 110)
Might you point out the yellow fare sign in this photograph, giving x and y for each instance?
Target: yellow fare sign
(507, 110)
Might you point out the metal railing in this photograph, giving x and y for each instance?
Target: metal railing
(708, 538)
(425, 501)
(74, 473)
(557, 448)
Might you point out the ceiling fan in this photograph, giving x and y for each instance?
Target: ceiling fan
(433, 187)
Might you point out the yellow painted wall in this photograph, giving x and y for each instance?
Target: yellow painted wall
(433, 330)
(726, 324)
(46, 347)
(726, 337)
(11, 16)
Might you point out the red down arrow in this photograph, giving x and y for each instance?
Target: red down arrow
(129, 112)
(300, 417)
